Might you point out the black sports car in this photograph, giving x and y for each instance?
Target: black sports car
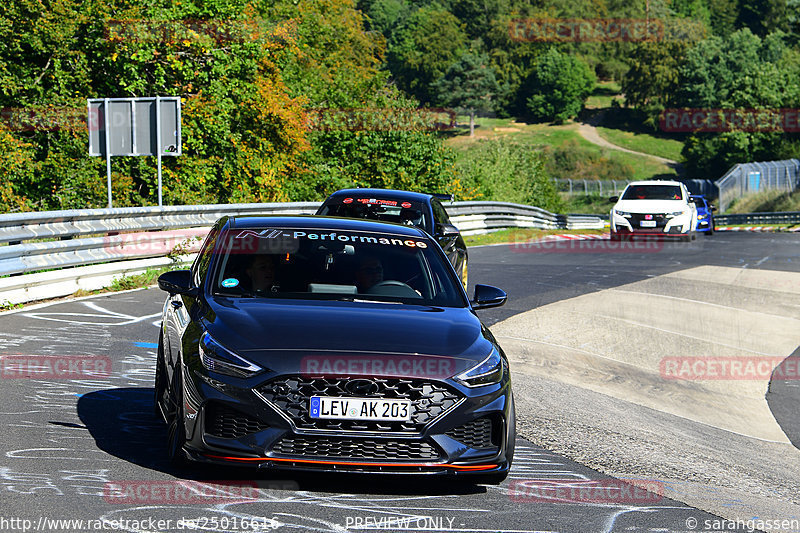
(331, 344)
(404, 207)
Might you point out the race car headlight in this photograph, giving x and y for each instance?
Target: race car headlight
(701, 217)
(487, 372)
(622, 213)
(223, 361)
(677, 213)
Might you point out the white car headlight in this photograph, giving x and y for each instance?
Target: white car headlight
(223, 361)
(622, 213)
(487, 372)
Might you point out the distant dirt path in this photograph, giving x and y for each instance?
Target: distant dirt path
(588, 131)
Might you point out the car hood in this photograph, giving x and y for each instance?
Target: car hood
(282, 334)
(651, 206)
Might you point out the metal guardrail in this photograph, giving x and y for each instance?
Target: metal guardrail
(788, 218)
(93, 236)
(747, 178)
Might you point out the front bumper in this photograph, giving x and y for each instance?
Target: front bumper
(650, 224)
(454, 430)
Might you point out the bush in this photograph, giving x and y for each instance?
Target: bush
(572, 161)
(507, 172)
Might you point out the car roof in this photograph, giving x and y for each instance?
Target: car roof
(312, 222)
(384, 193)
(655, 182)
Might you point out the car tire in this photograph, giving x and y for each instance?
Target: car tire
(160, 384)
(615, 237)
(692, 235)
(176, 432)
(710, 229)
(686, 238)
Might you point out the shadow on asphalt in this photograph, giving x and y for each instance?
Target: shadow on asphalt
(123, 424)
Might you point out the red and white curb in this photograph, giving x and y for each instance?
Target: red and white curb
(762, 229)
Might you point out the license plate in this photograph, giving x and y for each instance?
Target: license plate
(647, 224)
(359, 408)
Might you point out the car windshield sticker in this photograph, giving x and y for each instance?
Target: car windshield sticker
(375, 201)
(406, 204)
(295, 236)
(230, 283)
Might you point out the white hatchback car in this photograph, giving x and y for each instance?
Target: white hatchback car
(661, 208)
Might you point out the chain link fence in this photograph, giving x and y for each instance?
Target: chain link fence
(615, 187)
(749, 178)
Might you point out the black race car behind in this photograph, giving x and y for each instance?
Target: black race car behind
(422, 210)
(313, 343)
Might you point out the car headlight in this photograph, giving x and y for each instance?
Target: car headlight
(223, 361)
(701, 217)
(622, 213)
(677, 213)
(487, 372)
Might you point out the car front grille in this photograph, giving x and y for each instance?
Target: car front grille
(292, 396)
(475, 434)
(226, 423)
(344, 448)
(636, 219)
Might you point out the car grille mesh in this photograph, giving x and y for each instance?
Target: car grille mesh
(292, 395)
(344, 448)
(227, 423)
(475, 434)
(636, 219)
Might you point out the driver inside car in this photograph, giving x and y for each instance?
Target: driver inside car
(369, 273)
(261, 271)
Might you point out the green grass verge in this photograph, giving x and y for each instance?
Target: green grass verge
(136, 281)
(603, 94)
(766, 202)
(542, 135)
(643, 142)
(587, 204)
(520, 234)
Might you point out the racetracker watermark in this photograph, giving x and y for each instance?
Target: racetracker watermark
(154, 244)
(369, 366)
(54, 366)
(785, 120)
(604, 491)
(730, 368)
(557, 30)
(48, 119)
(380, 119)
(188, 492)
(583, 244)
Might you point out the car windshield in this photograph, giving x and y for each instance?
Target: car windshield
(326, 264)
(411, 213)
(653, 192)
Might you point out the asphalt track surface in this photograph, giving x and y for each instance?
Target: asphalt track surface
(69, 445)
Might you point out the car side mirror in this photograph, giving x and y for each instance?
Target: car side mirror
(177, 282)
(447, 230)
(487, 296)
(614, 199)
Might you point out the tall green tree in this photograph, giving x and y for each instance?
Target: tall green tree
(422, 48)
(741, 71)
(559, 87)
(468, 85)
